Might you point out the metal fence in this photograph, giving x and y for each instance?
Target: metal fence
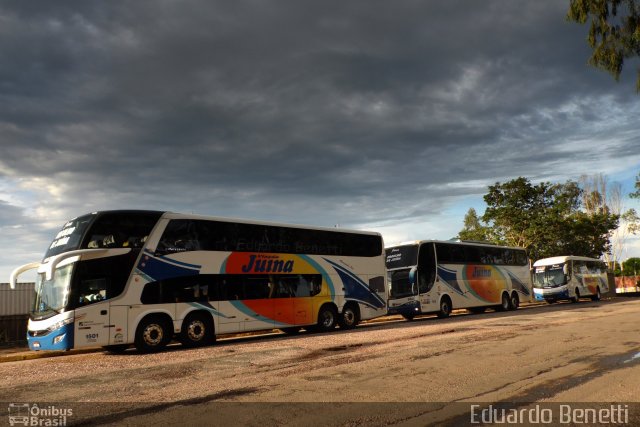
(14, 312)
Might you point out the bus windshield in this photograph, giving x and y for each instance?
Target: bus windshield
(399, 284)
(549, 276)
(52, 295)
(402, 256)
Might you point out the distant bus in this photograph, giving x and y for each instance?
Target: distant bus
(116, 278)
(569, 278)
(436, 277)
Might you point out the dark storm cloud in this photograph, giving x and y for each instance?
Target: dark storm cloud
(283, 110)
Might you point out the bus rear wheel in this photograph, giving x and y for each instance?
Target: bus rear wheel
(349, 318)
(515, 301)
(327, 318)
(153, 334)
(197, 330)
(505, 303)
(597, 296)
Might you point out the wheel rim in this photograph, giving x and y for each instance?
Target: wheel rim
(349, 317)
(196, 330)
(327, 319)
(444, 307)
(515, 302)
(153, 334)
(505, 302)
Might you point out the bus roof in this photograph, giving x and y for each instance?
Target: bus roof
(453, 242)
(176, 215)
(562, 259)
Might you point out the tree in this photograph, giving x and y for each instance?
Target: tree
(598, 195)
(614, 33)
(545, 218)
(636, 194)
(473, 228)
(631, 267)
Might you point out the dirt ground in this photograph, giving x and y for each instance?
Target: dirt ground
(429, 371)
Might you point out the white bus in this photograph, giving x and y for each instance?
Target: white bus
(436, 277)
(569, 278)
(116, 278)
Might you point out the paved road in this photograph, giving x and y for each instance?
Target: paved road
(529, 363)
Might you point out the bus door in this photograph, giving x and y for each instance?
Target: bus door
(427, 277)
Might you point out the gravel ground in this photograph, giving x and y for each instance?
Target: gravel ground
(579, 351)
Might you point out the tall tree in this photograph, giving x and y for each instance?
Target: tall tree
(614, 32)
(598, 195)
(473, 228)
(545, 218)
(631, 267)
(636, 194)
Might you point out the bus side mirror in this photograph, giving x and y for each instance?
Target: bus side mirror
(413, 280)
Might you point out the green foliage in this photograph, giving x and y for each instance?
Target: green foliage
(631, 267)
(544, 218)
(614, 31)
(636, 194)
(473, 229)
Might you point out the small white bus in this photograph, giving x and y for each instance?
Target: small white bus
(569, 278)
(431, 276)
(117, 278)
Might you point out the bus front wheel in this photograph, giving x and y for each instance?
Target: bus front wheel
(153, 334)
(576, 298)
(445, 308)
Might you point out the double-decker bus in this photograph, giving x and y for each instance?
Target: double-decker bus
(431, 276)
(569, 278)
(116, 278)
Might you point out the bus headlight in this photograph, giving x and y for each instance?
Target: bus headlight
(59, 338)
(60, 324)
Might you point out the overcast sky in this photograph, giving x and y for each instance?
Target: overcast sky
(391, 116)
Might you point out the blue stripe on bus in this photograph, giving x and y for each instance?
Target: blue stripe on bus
(356, 289)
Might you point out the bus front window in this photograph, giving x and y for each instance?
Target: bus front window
(399, 283)
(52, 295)
(549, 277)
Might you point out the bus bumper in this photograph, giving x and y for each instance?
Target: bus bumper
(410, 308)
(552, 294)
(57, 339)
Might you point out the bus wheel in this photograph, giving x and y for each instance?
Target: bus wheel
(116, 349)
(597, 296)
(576, 298)
(197, 330)
(349, 318)
(515, 301)
(327, 318)
(506, 303)
(445, 308)
(153, 334)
